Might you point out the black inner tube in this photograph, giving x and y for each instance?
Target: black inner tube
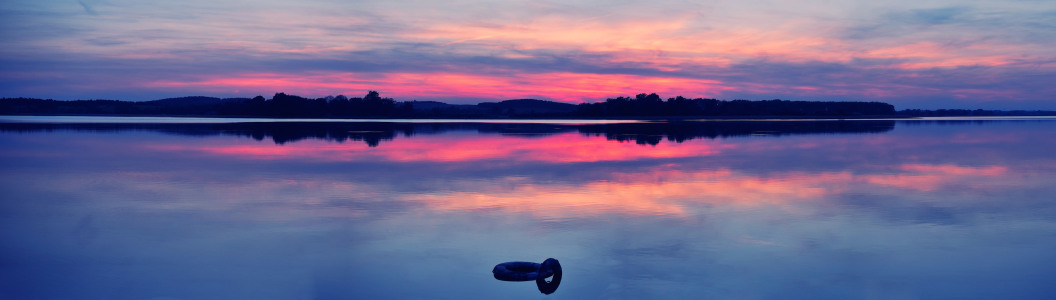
(550, 265)
(518, 268)
(519, 271)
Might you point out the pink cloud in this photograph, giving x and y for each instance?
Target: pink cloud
(569, 87)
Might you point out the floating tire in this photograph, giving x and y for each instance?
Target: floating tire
(521, 271)
(549, 266)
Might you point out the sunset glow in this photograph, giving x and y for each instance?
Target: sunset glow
(569, 87)
(984, 54)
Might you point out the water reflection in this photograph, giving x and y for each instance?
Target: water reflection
(373, 133)
(926, 211)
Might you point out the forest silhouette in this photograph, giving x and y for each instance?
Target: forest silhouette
(372, 105)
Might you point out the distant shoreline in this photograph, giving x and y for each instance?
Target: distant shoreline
(644, 107)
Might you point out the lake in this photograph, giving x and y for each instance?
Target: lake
(107, 208)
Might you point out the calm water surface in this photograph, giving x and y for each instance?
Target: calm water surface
(876, 209)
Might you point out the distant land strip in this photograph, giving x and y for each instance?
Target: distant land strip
(372, 105)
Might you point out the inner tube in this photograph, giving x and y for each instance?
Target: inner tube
(550, 265)
(519, 271)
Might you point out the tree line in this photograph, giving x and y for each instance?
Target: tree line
(653, 105)
(280, 105)
(372, 105)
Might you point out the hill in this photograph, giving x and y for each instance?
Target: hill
(194, 101)
(527, 107)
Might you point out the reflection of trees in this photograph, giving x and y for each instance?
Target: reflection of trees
(653, 133)
(373, 133)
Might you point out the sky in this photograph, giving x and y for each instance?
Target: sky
(990, 54)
